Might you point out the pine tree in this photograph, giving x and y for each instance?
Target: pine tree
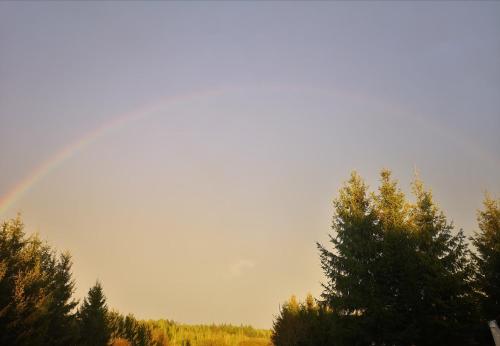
(92, 316)
(487, 243)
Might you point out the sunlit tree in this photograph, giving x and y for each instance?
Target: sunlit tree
(36, 307)
(351, 267)
(487, 258)
(446, 310)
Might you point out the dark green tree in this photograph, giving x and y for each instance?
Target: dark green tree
(446, 313)
(27, 271)
(286, 326)
(62, 323)
(397, 269)
(487, 259)
(92, 317)
(12, 243)
(351, 268)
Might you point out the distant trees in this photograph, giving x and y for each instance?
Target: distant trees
(127, 330)
(398, 274)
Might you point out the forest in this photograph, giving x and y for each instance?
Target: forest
(396, 272)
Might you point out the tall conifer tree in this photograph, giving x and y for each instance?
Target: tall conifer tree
(94, 329)
(26, 267)
(62, 323)
(351, 267)
(487, 258)
(397, 268)
(445, 309)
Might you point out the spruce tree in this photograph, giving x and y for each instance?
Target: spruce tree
(487, 258)
(92, 316)
(351, 267)
(445, 310)
(286, 327)
(62, 323)
(397, 268)
(26, 267)
(12, 243)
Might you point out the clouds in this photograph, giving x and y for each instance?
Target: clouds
(241, 266)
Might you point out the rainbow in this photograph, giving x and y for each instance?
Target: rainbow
(75, 146)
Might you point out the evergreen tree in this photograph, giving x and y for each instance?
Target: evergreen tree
(397, 269)
(12, 243)
(351, 268)
(92, 316)
(445, 308)
(62, 324)
(26, 271)
(286, 325)
(487, 258)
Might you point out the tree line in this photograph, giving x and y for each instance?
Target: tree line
(398, 273)
(37, 306)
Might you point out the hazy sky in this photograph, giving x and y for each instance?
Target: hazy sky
(208, 208)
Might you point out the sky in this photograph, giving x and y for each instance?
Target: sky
(187, 154)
